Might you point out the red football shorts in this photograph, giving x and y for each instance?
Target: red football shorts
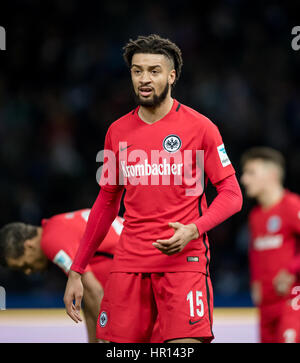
(269, 322)
(289, 326)
(101, 266)
(280, 322)
(181, 302)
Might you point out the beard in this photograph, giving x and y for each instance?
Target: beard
(155, 101)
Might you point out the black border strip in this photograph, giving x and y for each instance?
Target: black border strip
(178, 107)
(105, 254)
(206, 282)
(207, 267)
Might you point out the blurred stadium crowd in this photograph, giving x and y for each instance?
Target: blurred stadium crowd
(63, 81)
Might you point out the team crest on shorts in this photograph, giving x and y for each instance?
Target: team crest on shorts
(172, 143)
(103, 319)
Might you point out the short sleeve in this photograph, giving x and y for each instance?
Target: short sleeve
(59, 244)
(217, 165)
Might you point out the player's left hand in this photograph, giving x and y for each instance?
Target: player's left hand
(283, 282)
(182, 236)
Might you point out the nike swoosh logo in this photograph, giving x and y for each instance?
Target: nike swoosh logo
(124, 148)
(194, 322)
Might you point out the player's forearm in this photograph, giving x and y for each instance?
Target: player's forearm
(228, 202)
(254, 274)
(103, 213)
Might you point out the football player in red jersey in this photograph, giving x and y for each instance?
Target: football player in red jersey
(161, 264)
(29, 248)
(275, 245)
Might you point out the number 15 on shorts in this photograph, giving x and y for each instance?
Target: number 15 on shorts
(195, 300)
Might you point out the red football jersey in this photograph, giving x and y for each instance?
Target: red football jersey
(62, 234)
(157, 164)
(275, 241)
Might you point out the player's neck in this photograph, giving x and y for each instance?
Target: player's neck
(153, 114)
(271, 196)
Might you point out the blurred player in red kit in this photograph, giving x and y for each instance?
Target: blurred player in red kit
(274, 252)
(161, 265)
(28, 249)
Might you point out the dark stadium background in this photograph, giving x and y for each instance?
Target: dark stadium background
(63, 81)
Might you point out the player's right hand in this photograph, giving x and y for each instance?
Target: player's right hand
(283, 282)
(74, 292)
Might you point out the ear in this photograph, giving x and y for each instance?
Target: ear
(172, 76)
(29, 243)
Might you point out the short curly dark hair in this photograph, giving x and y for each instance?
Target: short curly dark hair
(154, 44)
(12, 238)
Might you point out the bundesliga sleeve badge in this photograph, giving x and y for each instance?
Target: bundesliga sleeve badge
(63, 260)
(223, 155)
